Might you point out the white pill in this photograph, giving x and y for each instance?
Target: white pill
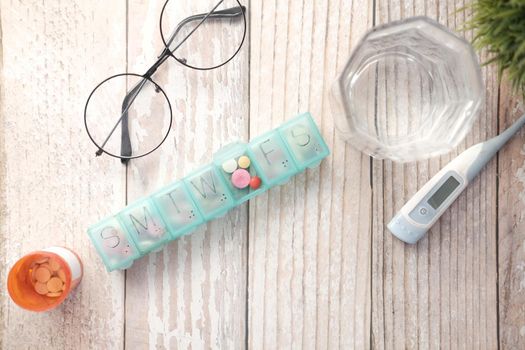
(229, 166)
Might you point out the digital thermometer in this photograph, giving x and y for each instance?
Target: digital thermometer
(421, 212)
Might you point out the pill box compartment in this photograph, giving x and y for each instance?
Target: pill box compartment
(209, 191)
(178, 209)
(304, 141)
(145, 226)
(113, 245)
(272, 158)
(232, 153)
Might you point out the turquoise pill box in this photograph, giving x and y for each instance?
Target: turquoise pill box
(177, 209)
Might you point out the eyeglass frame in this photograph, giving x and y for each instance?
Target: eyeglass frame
(164, 55)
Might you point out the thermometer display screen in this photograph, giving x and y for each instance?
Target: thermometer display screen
(443, 192)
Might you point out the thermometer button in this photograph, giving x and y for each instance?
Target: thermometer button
(422, 213)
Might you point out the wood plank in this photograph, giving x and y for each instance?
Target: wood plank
(3, 201)
(192, 294)
(440, 293)
(52, 186)
(511, 233)
(309, 250)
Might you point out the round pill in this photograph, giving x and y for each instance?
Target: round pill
(33, 274)
(240, 178)
(255, 182)
(54, 295)
(41, 288)
(54, 284)
(62, 275)
(54, 265)
(42, 274)
(41, 261)
(45, 265)
(244, 162)
(229, 166)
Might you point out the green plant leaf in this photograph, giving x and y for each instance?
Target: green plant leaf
(499, 28)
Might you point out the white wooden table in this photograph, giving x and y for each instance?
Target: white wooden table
(307, 265)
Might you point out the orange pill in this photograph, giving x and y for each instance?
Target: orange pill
(54, 265)
(45, 265)
(42, 274)
(41, 288)
(54, 284)
(54, 295)
(62, 275)
(33, 273)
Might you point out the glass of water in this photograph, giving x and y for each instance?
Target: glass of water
(410, 90)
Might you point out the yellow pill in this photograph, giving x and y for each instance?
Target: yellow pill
(54, 295)
(42, 274)
(244, 162)
(41, 288)
(54, 265)
(54, 285)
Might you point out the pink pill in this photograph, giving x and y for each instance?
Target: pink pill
(241, 178)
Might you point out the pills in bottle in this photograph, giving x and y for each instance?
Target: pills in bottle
(42, 280)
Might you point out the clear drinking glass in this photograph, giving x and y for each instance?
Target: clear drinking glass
(410, 90)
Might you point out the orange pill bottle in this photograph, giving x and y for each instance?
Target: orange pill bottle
(25, 277)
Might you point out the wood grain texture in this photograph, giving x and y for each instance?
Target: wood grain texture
(192, 294)
(442, 292)
(53, 187)
(3, 199)
(511, 233)
(309, 264)
(309, 256)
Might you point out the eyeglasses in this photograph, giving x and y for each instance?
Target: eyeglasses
(138, 123)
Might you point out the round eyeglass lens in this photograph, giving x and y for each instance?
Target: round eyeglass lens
(203, 34)
(128, 116)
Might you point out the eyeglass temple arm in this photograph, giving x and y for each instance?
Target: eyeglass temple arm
(125, 142)
(222, 14)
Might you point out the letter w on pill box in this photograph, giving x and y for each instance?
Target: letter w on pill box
(237, 173)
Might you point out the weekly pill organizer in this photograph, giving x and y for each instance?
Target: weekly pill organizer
(177, 209)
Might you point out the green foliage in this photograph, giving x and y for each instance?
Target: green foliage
(499, 27)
